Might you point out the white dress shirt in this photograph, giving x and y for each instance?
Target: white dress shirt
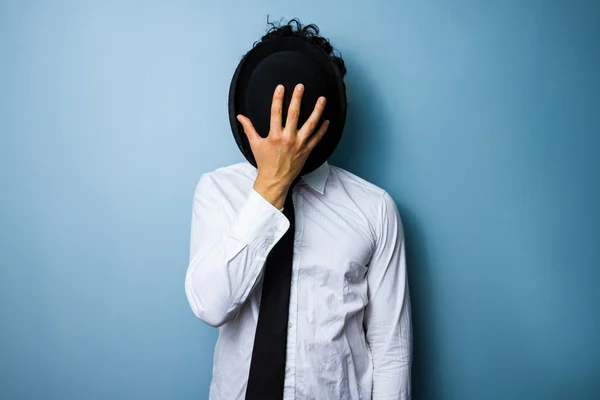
(350, 333)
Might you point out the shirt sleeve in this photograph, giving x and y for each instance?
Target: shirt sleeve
(228, 252)
(387, 319)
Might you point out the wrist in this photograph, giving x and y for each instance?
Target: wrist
(272, 191)
(275, 186)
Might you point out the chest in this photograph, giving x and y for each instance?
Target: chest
(333, 241)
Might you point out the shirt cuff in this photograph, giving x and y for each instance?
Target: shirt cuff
(259, 222)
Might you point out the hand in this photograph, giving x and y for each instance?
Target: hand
(282, 154)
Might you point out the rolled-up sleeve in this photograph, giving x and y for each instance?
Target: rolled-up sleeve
(387, 322)
(228, 252)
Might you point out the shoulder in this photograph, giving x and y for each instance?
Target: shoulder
(358, 187)
(374, 201)
(352, 182)
(228, 171)
(224, 177)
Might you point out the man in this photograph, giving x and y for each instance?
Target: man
(300, 263)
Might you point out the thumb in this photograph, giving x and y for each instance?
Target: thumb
(248, 128)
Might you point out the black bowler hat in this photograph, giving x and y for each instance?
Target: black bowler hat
(287, 61)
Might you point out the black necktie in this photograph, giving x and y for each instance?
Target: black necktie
(267, 366)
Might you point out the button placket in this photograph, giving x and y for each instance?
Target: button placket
(295, 309)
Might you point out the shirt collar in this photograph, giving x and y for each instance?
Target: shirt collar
(318, 178)
(315, 179)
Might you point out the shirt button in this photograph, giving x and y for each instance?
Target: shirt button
(290, 325)
(269, 240)
(287, 370)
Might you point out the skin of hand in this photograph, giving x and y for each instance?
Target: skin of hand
(282, 154)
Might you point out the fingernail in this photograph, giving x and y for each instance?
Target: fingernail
(327, 122)
(322, 100)
(300, 87)
(279, 88)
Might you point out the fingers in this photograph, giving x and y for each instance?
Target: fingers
(293, 113)
(311, 123)
(316, 137)
(276, 108)
(248, 128)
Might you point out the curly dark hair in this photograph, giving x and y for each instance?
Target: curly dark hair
(309, 33)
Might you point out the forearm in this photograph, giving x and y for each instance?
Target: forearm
(391, 347)
(393, 382)
(229, 262)
(272, 190)
(216, 286)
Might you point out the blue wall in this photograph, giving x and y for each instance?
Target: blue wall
(481, 119)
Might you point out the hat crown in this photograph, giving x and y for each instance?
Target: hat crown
(288, 68)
